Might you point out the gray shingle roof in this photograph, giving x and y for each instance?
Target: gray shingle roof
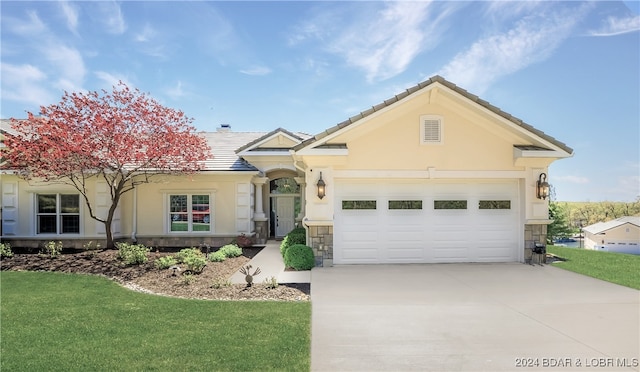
(423, 85)
(599, 227)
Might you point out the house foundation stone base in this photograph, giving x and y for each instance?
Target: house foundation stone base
(321, 241)
(534, 233)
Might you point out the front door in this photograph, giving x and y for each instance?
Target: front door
(284, 215)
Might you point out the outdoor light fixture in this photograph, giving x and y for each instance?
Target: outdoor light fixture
(321, 187)
(542, 187)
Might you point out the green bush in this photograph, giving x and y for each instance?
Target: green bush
(52, 248)
(133, 254)
(5, 250)
(231, 250)
(165, 262)
(295, 236)
(299, 257)
(217, 256)
(193, 258)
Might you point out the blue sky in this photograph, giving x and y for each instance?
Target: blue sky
(570, 69)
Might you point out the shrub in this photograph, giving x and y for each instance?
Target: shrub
(133, 254)
(188, 279)
(5, 250)
(52, 248)
(231, 250)
(295, 236)
(187, 252)
(165, 262)
(299, 257)
(217, 256)
(195, 263)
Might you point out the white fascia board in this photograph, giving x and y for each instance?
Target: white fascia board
(284, 152)
(323, 152)
(429, 174)
(519, 153)
(265, 140)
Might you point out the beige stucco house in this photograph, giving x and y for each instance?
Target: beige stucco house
(434, 174)
(621, 235)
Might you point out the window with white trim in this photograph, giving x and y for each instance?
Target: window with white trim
(190, 213)
(58, 213)
(430, 129)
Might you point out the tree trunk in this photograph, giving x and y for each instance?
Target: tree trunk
(109, 233)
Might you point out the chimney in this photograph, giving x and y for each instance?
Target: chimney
(224, 128)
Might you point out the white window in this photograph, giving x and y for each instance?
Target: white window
(190, 213)
(430, 129)
(58, 213)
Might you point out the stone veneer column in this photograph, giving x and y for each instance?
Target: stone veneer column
(321, 241)
(533, 233)
(261, 221)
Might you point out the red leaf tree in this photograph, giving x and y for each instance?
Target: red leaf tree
(124, 138)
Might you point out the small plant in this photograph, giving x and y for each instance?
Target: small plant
(5, 250)
(188, 279)
(246, 270)
(91, 245)
(218, 256)
(193, 258)
(133, 254)
(220, 283)
(52, 248)
(165, 262)
(271, 283)
(299, 257)
(244, 241)
(231, 250)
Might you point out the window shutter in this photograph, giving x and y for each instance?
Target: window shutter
(431, 131)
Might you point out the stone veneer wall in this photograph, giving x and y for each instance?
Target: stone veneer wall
(533, 234)
(153, 242)
(321, 241)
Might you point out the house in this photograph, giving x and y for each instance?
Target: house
(621, 235)
(434, 174)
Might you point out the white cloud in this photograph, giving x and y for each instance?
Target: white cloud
(112, 80)
(71, 15)
(69, 63)
(147, 33)
(618, 25)
(32, 26)
(381, 42)
(176, 92)
(25, 83)
(573, 179)
(532, 39)
(112, 17)
(256, 71)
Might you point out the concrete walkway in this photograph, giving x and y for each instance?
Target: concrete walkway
(471, 317)
(270, 262)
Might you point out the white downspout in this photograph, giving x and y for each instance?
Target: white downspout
(134, 222)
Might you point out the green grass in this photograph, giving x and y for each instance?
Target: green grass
(617, 268)
(67, 322)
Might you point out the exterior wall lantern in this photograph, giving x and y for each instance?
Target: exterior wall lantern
(542, 187)
(322, 192)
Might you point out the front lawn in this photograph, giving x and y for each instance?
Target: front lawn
(70, 322)
(617, 268)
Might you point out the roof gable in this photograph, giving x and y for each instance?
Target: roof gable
(277, 140)
(433, 86)
(601, 227)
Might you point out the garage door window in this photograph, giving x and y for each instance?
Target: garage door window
(494, 204)
(358, 204)
(449, 204)
(405, 204)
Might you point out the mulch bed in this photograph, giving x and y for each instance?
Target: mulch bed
(212, 283)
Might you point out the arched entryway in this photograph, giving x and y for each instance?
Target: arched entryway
(284, 205)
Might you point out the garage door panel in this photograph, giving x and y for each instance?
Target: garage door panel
(421, 233)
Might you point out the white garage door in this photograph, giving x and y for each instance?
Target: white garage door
(425, 222)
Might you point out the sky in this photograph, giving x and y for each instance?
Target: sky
(570, 69)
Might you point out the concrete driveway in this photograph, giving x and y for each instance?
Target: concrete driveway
(470, 317)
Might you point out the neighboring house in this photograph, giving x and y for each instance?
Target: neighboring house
(621, 235)
(434, 174)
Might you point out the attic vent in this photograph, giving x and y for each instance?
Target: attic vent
(430, 129)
